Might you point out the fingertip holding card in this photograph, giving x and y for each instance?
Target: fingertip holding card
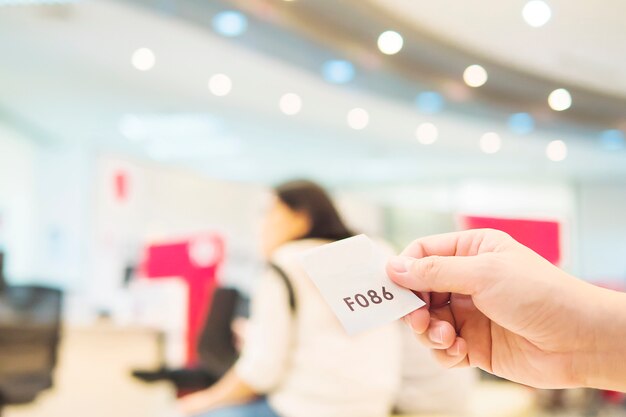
(350, 275)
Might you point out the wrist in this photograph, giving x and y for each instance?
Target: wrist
(604, 360)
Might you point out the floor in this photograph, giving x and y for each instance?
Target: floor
(92, 378)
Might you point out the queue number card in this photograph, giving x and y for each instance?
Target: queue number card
(350, 274)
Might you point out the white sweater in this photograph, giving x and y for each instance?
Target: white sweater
(429, 388)
(306, 364)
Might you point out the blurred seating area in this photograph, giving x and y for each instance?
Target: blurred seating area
(30, 332)
(29, 338)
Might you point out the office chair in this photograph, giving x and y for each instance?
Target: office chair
(30, 322)
(3, 282)
(216, 349)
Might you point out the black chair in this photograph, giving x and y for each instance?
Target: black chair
(216, 349)
(3, 282)
(30, 327)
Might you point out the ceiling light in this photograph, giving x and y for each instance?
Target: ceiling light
(475, 76)
(556, 150)
(290, 104)
(490, 142)
(143, 59)
(426, 133)
(220, 84)
(429, 102)
(358, 118)
(338, 71)
(230, 23)
(536, 13)
(390, 42)
(560, 99)
(521, 123)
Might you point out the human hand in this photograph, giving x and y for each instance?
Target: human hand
(239, 328)
(192, 404)
(495, 304)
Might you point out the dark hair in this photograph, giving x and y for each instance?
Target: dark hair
(308, 197)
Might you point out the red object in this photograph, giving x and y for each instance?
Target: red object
(613, 397)
(542, 236)
(197, 262)
(120, 184)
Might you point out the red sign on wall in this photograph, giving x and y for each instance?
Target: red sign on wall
(120, 186)
(542, 236)
(197, 262)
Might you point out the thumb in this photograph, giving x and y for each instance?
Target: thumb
(455, 274)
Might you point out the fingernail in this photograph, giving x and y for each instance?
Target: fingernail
(400, 264)
(454, 350)
(436, 335)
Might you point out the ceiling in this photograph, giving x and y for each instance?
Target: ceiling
(584, 44)
(66, 79)
(442, 38)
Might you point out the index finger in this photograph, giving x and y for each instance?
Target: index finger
(465, 243)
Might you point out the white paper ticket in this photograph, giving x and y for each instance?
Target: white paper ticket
(351, 276)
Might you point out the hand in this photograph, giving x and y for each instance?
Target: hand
(239, 328)
(495, 304)
(193, 404)
(229, 390)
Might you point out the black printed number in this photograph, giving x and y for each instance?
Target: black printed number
(365, 301)
(374, 297)
(387, 294)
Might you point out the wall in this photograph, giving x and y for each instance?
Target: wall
(602, 220)
(64, 205)
(164, 203)
(17, 202)
(416, 210)
(61, 224)
(45, 208)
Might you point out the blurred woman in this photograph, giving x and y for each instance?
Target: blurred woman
(297, 360)
(427, 387)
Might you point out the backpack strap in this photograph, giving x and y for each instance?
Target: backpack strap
(290, 292)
